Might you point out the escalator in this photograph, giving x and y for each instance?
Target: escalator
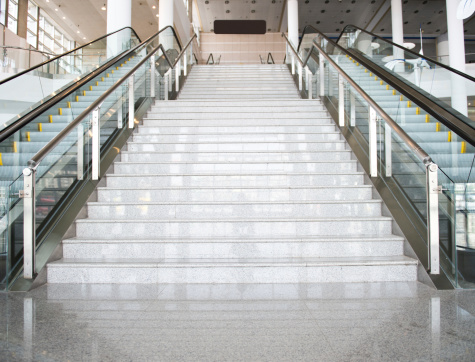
(428, 102)
(46, 100)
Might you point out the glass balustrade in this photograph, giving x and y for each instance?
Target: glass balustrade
(68, 166)
(398, 165)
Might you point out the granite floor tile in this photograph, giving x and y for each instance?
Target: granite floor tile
(240, 322)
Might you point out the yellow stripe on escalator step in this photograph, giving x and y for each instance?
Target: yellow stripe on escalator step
(449, 136)
(90, 87)
(84, 93)
(1, 161)
(69, 104)
(437, 127)
(409, 104)
(97, 83)
(28, 136)
(381, 82)
(50, 118)
(463, 148)
(60, 111)
(427, 118)
(15, 147)
(77, 98)
(102, 79)
(40, 127)
(418, 110)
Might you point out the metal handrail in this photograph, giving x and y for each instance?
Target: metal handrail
(68, 52)
(374, 108)
(12, 128)
(271, 58)
(461, 128)
(29, 173)
(210, 57)
(453, 70)
(26, 49)
(423, 156)
(36, 159)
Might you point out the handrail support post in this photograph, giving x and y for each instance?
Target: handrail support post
(341, 101)
(96, 144)
(309, 83)
(131, 101)
(299, 74)
(29, 224)
(152, 76)
(80, 153)
(322, 74)
(433, 190)
(177, 76)
(373, 155)
(388, 150)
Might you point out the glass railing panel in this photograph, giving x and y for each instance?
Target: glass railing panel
(443, 86)
(34, 87)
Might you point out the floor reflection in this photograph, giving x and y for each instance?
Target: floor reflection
(287, 322)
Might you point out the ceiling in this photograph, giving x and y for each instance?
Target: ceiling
(329, 16)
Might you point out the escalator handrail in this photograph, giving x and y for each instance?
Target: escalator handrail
(417, 55)
(437, 111)
(65, 54)
(27, 118)
(43, 152)
(421, 154)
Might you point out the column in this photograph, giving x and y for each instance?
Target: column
(119, 15)
(456, 56)
(165, 12)
(293, 22)
(22, 18)
(442, 42)
(398, 33)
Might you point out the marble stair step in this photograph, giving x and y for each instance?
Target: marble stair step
(293, 103)
(244, 137)
(115, 228)
(248, 121)
(241, 248)
(236, 115)
(232, 180)
(337, 145)
(215, 130)
(287, 270)
(234, 167)
(147, 210)
(128, 156)
(251, 194)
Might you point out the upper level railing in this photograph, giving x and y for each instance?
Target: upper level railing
(270, 59)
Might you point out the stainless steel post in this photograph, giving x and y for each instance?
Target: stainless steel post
(352, 109)
(152, 76)
(293, 63)
(310, 83)
(29, 224)
(373, 156)
(167, 81)
(388, 150)
(131, 101)
(432, 190)
(119, 110)
(299, 73)
(185, 71)
(96, 144)
(170, 80)
(341, 101)
(80, 155)
(322, 75)
(177, 76)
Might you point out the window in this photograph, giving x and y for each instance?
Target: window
(52, 38)
(12, 16)
(32, 24)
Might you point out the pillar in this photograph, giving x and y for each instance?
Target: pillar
(119, 15)
(22, 18)
(442, 43)
(293, 22)
(165, 12)
(398, 33)
(456, 57)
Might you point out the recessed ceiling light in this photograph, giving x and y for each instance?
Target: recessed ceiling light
(64, 17)
(78, 31)
(56, 9)
(154, 7)
(104, 7)
(84, 38)
(157, 15)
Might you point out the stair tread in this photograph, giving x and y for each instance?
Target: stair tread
(219, 262)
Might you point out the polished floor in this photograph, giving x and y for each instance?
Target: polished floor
(405, 321)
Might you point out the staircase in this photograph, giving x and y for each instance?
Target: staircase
(237, 181)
